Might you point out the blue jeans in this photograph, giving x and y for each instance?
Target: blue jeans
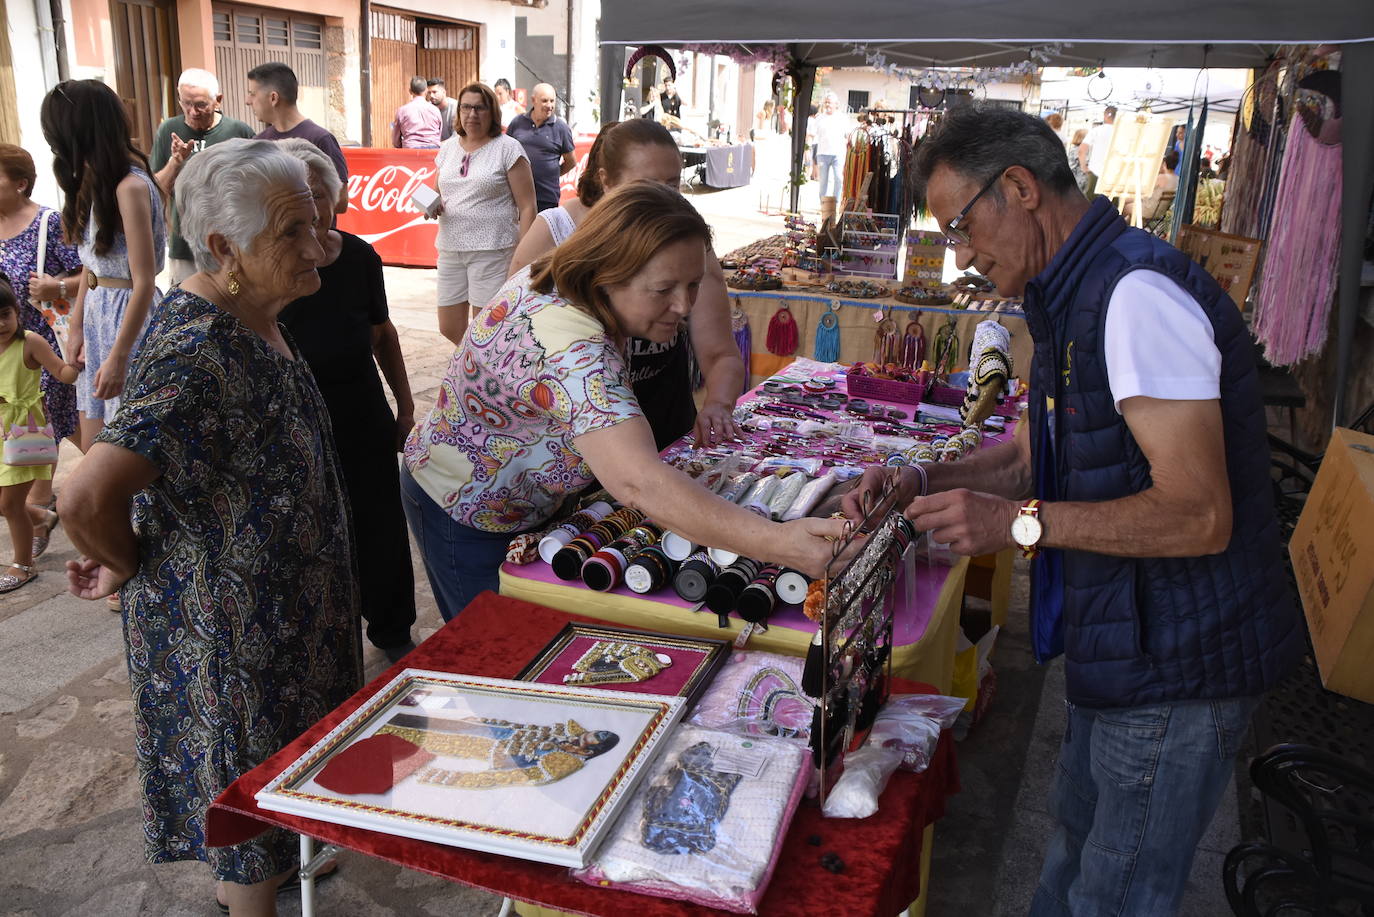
(1135, 790)
(460, 561)
(832, 172)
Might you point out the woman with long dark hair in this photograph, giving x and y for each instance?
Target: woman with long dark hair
(113, 212)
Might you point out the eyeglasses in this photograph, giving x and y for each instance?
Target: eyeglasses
(955, 233)
(463, 168)
(472, 109)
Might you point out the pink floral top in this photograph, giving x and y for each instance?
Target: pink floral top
(533, 374)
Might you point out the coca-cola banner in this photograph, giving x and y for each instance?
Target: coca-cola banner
(380, 183)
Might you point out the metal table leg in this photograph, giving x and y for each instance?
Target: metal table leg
(311, 864)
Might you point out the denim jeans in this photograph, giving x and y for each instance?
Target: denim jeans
(832, 172)
(1135, 790)
(460, 561)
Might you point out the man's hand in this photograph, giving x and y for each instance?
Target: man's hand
(864, 495)
(971, 523)
(181, 149)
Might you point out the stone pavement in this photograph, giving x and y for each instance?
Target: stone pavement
(70, 822)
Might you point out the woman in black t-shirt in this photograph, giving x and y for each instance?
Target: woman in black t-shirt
(661, 373)
(341, 330)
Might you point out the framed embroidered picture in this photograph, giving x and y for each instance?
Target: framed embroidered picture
(636, 661)
(535, 771)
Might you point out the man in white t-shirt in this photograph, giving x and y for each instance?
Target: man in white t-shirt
(830, 132)
(1157, 567)
(1092, 153)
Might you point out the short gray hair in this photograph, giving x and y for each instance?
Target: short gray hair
(222, 188)
(981, 142)
(201, 79)
(315, 161)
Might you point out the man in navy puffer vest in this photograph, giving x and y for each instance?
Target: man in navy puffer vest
(1158, 569)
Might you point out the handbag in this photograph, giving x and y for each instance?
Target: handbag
(31, 444)
(54, 311)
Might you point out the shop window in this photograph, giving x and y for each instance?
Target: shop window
(278, 34)
(308, 34)
(248, 29)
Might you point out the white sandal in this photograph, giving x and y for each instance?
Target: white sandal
(9, 582)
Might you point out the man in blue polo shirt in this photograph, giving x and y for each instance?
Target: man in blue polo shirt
(548, 142)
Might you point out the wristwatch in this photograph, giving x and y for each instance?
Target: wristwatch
(1026, 528)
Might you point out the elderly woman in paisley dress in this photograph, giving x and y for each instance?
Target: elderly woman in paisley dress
(236, 567)
(536, 404)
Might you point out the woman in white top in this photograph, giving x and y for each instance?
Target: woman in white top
(659, 371)
(486, 203)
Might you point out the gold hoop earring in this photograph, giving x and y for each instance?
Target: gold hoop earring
(233, 284)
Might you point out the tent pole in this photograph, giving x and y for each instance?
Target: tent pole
(612, 75)
(801, 114)
(1357, 176)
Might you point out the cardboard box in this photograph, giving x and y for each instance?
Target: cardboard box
(1333, 558)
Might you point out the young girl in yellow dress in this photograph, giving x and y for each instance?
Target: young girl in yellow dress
(23, 356)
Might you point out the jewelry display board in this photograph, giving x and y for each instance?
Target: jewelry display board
(527, 770)
(850, 667)
(621, 659)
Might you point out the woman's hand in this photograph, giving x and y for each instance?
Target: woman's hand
(435, 210)
(87, 579)
(404, 424)
(716, 424)
(109, 379)
(76, 346)
(809, 544)
(43, 288)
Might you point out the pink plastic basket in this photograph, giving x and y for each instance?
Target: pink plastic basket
(884, 389)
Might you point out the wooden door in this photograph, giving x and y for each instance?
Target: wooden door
(393, 64)
(146, 63)
(448, 52)
(246, 36)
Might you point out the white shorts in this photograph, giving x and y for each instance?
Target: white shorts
(472, 277)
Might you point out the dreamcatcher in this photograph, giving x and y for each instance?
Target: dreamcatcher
(827, 349)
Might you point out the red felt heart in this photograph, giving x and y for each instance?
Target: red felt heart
(372, 765)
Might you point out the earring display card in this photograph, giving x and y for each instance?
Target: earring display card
(635, 661)
(534, 771)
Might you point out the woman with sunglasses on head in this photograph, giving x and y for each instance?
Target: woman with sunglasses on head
(486, 203)
(114, 213)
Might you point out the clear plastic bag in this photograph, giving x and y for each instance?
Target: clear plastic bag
(707, 823)
(912, 723)
(865, 776)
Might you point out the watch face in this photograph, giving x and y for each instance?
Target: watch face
(1025, 530)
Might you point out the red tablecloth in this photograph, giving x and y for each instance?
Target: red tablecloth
(496, 637)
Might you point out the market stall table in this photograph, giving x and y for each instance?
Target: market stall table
(925, 631)
(495, 636)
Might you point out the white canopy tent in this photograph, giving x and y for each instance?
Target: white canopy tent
(990, 33)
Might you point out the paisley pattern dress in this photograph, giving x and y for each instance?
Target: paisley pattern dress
(533, 374)
(242, 622)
